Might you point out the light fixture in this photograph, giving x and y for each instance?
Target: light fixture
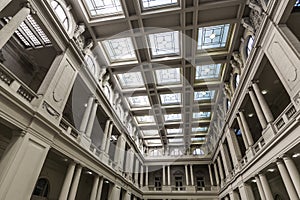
(253, 180)
(106, 182)
(264, 91)
(250, 114)
(85, 105)
(65, 159)
(271, 170)
(296, 155)
(89, 172)
(212, 36)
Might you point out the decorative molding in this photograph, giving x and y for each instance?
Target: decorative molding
(50, 110)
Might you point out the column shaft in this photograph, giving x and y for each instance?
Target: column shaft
(258, 110)
(246, 129)
(263, 104)
(104, 138)
(293, 172)
(246, 192)
(260, 188)
(226, 161)
(91, 120)
(164, 174)
(186, 175)
(142, 175)
(243, 132)
(75, 183)
(67, 182)
(266, 187)
(108, 138)
(86, 115)
(95, 188)
(210, 175)
(192, 174)
(147, 175)
(216, 174)
(169, 175)
(234, 148)
(287, 180)
(100, 185)
(8, 30)
(220, 169)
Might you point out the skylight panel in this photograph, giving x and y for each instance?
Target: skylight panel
(172, 117)
(154, 141)
(147, 4)
(201, 115)
(145, 119)
(131, 80)
(38, 29)
(175, 140)
(150, 133)
(297, 4)
(211, 71)
(139, 101)
(166, 43)
(204, 95)
(104, 7)
(168, 76)
(174, 130)
(167, 99)
(213, 36)
(199, 129)
(198, 139)
(120, 49)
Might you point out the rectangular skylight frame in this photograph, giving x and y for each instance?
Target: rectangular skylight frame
(138, 101)
(204, 95)
(210, 71)
(199, 129)
(173, 117)
(164, 44)
(175, 140)
(158, 4)
(114, 53)
(131, 80)
(198, 139)
(170, 99)
(213, 37)
(104, 8)
(201, 115)
(150, 133)
(169, 76)
(174, 131)
(146, 119)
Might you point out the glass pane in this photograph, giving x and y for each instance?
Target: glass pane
(145, 119)
(91, 65)
(199, 129)
(119, 49)
(168, 76)
(104, 7)
(208, 71)
(154, 141)
(204, 95)
(173, 117)
(150, 132)
(130, 80)
(198, 139)
(297, 4)
(158, 3)
(176, 140)
(213, 36)
(164, 43)
(38, 29)
(174, 130)
(250, 45)
(174, 98)
(201, 115)
(139, 101)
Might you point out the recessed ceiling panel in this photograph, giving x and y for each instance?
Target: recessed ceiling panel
(131, 80)
(168, 76)
(211, 71)
(168, 99)
(150, 4)
(104, 7)
(138, 101)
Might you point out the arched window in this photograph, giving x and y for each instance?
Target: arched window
(250, 45)
(198, 151)
(90, 64)
(41, 188)
(61, 14)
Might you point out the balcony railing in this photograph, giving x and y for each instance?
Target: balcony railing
(69, 129)
(16, 84)
(178, 188)
(285, 117)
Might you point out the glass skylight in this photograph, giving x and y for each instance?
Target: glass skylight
(172, 117)
(213, 36)
(250, 45)
(297, 4)
(145, 119)
(174, 130)
(168, 76)
(198, 151)
(167, 99)
(154, 141)
(120, 49)
(201, 115)
(199, 129)
(139, 101)
(204, 95)
(175, 140)
(150, 132)
(166, 43)
(208, 71)
(60, 14)
(104, 7)
(198, 139)
(90, 64)
(131, 80)
(158, 3)
(30, 33)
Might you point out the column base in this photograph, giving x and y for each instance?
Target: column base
(268, 133)
(85, 142)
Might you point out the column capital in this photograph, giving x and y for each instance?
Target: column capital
(27, 4)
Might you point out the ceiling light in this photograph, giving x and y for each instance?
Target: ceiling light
(296, 155)
(89, 172)
(65, 159)
(250, 114)
(106, 181)
(271, 170)
(85, 105)
(253, 180)
(264, 91)
(212, 36)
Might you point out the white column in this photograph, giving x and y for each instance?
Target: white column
(104, 138)
(95, 188)
(75, 183)
(164, 174)
(108, 138)
(225, 159)
(234, 195)
(243, 132)
(263, 104)
(234, 148)
(100, 185)
(86, 115)
(186, 174)
(246, 129)
(293, 172)
(192, 174)
(246, 192)
(91, 120)
(115, 192)
(67, 182)
(266, 187)
(220, 169)
(136, 176)
(258, 110)
(142, 175)
(131, 163)
(260, 188)
(169, 175)
(210, 175)
(287, 180)
(147, 175)
(8, 30)
(216, 174)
